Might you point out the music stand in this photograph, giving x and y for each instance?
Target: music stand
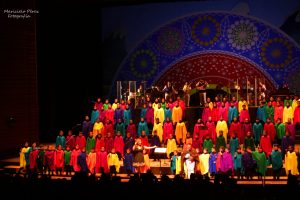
(162, 153)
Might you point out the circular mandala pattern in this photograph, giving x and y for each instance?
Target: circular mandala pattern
(206, 30)
(170, 41)
(143, 64)
(276, 52)
(242, 35)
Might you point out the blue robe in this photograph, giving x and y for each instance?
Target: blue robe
(212, 163)
(233, 144)
(142, 127)
(81, 161)
(127, 116)
(143, 113)
(168, 114)
(128, 162)
(128, 143)
(261, 113)
(86, 127)
(60, 140)
(94, 116)
(119, 114)
(238, 161)
(286, 141)
(257, 132)
(232, 113)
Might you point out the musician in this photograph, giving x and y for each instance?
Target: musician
(187, 89)
(262, 89)
(201, 86)
(169, 91)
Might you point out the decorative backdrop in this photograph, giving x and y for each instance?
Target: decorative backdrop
(218, 47)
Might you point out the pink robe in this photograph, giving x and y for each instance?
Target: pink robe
(101, 161)
(291, 128)
(223, 112)
(32, 159)
(149, 115)
(73, 162)
(205, 114)
(243, 115)
(119, 144)
(269, 128)
(211, 128)
(167, 129)
(246, 127)
(49, 159)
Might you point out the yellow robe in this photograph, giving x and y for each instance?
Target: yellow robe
(98, 128)
(24, 150)
(155, 106)
(180, 132)
(211, 105)
(294, 104)
(204, 163)
(160, 114)
(291, 163)
(176, 114)
(114, 106)
(222, 126)
(241, 103)
(178, 165)
(171, 146)
(287, 113)
(159, 129)
(113, 159)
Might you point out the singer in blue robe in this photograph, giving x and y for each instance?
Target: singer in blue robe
(142, 126)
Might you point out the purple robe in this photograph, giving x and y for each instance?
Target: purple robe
(226, 162)
(291, 128)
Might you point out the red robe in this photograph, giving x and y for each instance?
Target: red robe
(81, 141)
(131, 128)
(119, 144)
(197, 143)
(167, 129)
(297, 115)
(278, 113)
(215, 114)
(236, 127)
(73, 162)
(266, 145)
(101, 161)
(145, 142)
(100, 142)
(270, 130)
(49, 159)
(109, 144)
(197, 128)
(59, 159)
(70, 141)
(109, 114)
(108, 128)
(149, 115)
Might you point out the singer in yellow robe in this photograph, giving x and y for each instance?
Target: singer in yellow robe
(171, 146)
(159, 113)
(180, 132)
(176, 113)
(113, 159)
(222, 126)
(291, 163)
(158, 127)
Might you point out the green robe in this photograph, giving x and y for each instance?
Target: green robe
(280, 130)
(67, 157)
(249, 142)
(233, 144)
(90, 143)
(261, 161)
(257, 131)
(220, 142)
(208, 144)
(270, 112)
